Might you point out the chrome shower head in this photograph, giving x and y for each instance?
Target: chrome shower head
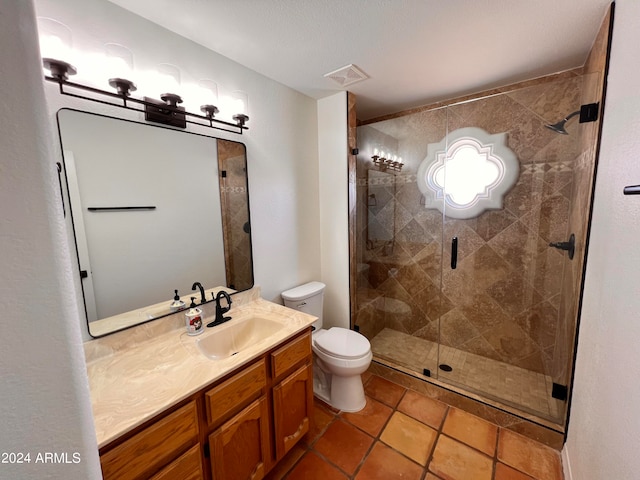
(559, 127)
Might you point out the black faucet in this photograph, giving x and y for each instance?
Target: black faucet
(203, 299)
(220, 310)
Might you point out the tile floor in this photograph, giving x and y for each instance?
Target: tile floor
(515, 386)
(404, 435)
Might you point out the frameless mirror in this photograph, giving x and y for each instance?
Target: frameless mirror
(153, 210)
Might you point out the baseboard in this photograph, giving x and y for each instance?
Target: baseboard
(566, 463)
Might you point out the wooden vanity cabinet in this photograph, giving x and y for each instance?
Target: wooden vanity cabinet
(244, 424)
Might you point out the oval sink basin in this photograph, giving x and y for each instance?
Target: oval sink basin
(233, 337)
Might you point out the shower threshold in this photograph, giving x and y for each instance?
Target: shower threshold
(515, 387)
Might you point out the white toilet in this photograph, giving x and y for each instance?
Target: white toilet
(340, 355)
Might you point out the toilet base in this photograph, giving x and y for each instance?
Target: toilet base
(343, 393)
(347, 393)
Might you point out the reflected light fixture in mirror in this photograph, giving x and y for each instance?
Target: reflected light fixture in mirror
(468, 172)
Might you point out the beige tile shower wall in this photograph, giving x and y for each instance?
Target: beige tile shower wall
(502, 302)
(583, 178)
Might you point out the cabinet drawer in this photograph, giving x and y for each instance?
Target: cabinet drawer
(152, 448)
(234, 393)
(290, 355)
(187, 467)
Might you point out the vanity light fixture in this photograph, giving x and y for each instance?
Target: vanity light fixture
(165, 111)
(393, 162)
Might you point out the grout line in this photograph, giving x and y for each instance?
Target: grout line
(495, 453)
(435, 442)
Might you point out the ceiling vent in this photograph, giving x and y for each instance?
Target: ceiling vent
(347, 75)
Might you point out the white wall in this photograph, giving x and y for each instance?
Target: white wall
(44, 394)
(334, 216)
(604, 424)
(281, 141)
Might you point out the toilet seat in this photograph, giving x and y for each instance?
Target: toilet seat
(342, 343)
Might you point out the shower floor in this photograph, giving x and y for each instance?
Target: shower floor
(514, 386)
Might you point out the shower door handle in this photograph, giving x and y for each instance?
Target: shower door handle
(454, 253)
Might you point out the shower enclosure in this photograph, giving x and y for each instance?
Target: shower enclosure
(457, 281)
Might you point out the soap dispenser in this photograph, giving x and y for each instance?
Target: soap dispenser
(177, 304)
(193, 319)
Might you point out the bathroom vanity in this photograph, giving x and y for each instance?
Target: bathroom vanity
(164, 409)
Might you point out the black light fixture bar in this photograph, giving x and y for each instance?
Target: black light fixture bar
(168, 113)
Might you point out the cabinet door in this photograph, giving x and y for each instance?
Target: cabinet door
(292, 408)
(240, 447)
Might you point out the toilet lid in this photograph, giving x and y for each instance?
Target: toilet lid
(343, 343)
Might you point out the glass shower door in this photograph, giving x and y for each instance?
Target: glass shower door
(499, 338)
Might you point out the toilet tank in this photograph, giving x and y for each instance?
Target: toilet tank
(307, 298)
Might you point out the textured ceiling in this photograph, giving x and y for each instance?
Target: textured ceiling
(414, 51)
